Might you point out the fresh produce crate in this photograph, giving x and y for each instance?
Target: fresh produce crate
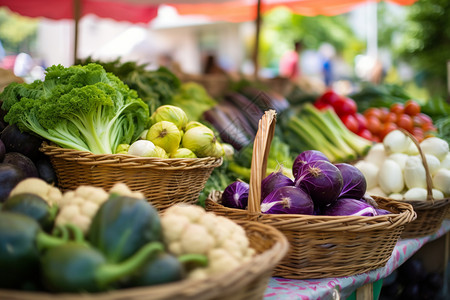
(163, 181)
(249, 281)
(321, 246)
(430, 213)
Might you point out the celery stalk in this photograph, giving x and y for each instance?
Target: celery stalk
(359, 144)
(332, 134)
(312, 137)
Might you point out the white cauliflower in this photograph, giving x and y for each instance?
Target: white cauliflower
(189, 229)
(37, 186)
(79, 207)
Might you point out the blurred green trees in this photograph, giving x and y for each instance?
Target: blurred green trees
(426, 43)
(281, 28)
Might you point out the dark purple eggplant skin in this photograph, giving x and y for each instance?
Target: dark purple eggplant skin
(24, 163)
(10, 176)
(22, 142)
(45, 170)
(2, 151)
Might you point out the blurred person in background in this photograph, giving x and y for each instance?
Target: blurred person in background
(327, 52)
(211, 66)
(290, 62)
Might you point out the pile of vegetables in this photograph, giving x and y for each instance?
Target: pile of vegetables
(20, 158)
(346, 109)
(374, 123)
(381, 121)
(79, 107)
(171, 136)
(90, 240)
(313, 129)
(394, 168)
(154, 87)
(318, 187)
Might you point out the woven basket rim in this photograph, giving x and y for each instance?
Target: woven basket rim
(89, 157)
(406, 215)
(423, 204)
(233, 279)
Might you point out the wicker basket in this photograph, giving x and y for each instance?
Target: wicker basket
(248, 282)
(163, 181)
(430, 213)
(321, 246)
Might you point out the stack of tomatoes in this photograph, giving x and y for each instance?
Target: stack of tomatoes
(375, 123)
(347, 111)
(381, 121)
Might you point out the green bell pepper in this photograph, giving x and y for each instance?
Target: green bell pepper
(122, 225)
(74, 267)
(21, 241)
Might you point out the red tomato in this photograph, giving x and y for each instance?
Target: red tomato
(417, 132)
(362, 121)
(412, 108)
(384, 112)
(428, 127)
(322, 105)
(405, 122)
(329, 97)
(345, 106)
(418, 121)
(373, 124)
(372, 112)
(351, 123)
(387, 127)
(397, 108)
(376, 139)
(425, 118)
(391, 117)
(365, 133)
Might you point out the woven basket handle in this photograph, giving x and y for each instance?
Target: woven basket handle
(425, 165)
(261, 148)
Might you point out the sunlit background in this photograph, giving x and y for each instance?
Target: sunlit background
(374, 35)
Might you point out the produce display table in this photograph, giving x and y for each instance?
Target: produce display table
(280, 288)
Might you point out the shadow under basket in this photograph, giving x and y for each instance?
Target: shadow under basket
(320, 246)
(247, 282)
(164, 182)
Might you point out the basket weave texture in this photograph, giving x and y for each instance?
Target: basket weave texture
(248, 282)
(321, 246)
(430, 213)
(164, 182)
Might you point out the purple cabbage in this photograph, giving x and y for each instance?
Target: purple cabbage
(236, 195)
(381, 212)
(305, 157)
(355, 184)
(321, 180)
(349, 207)
(274, 181)
(288, 200)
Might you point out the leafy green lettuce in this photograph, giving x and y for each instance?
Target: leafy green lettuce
(79, 107)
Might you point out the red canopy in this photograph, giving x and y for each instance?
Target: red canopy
(244, 10)
(65, 9)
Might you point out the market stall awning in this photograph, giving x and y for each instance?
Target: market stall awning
(66, 9)
(75, 9)
(244, 10)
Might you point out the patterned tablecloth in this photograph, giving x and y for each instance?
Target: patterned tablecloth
(289, 289)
